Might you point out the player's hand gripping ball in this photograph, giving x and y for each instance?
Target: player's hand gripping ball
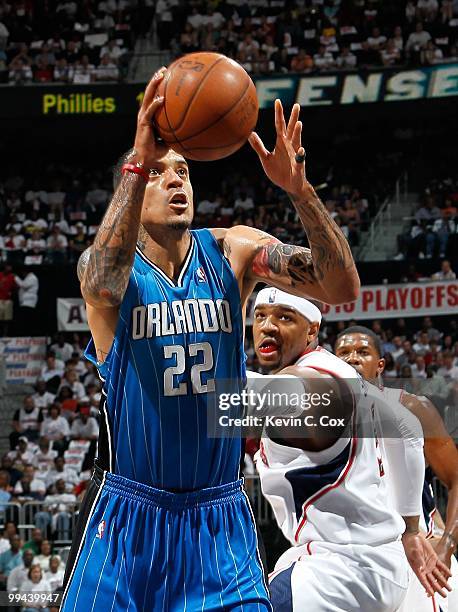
(210, 106)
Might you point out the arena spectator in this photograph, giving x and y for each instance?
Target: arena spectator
(419, 367)
(5, 490)
(28, 285)
(29, 488)
(7, 466)
(323, 60)
(417, 40)
(421, 346)
(62, 349)
(107, 70)
(7, 286)
(7, 532)
(26, 422)
(398, 39)
(19, 574)
(85, 426)
(55, 428)
(35, 583)
(57, 512)
(248, 52)
(57, 244)
(427, 9)
(71, 381)
(164, 21)
(19, 72)
(52, 371)
(36, 244)
(60, 471)
(62, 73)
(44, 457)
(390, 55)
(302, 62)
(445, 273)
(346, 59)
(449, 370)
(42, 398)
(376, 41)
(67, 403)
(34, 544)
(55, 574)
(431, 54)
(84, 71)
(10, 559)
(431, 331)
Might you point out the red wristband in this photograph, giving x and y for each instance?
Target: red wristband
(136, 170)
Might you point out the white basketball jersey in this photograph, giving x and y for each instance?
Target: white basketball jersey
(428, 502)
(338, 495)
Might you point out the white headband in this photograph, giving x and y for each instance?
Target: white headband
(269, 295)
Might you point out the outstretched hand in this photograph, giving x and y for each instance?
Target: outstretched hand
(280, 165)
(145, 142)
(432, 573)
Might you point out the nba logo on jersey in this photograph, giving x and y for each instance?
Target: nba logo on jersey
(200, 274)
(100, 530)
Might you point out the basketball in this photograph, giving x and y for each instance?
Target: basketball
(210, 106)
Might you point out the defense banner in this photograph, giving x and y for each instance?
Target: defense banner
(393, 301)
(24, 358)
(318, 89)
(71, 315)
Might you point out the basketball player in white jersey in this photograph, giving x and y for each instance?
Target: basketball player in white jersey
(327, 486)
(360, 347)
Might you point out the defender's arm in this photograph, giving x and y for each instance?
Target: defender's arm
(442, 456)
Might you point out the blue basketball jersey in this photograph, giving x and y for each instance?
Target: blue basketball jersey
(176, 346)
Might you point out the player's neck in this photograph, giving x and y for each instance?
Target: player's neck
(167, 249)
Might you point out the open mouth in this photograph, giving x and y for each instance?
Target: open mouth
(268, 347)
(179, 201)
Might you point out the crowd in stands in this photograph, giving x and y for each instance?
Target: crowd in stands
(433, 229)
(269, 36)
(44, 475)
(71, 42)
(55, 219)
(67, 42)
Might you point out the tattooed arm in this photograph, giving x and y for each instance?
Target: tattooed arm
(327, 271)
(104, 269)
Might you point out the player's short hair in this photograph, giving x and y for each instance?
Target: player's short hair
(361, 329)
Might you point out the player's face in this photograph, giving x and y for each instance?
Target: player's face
(168, 200)
(281, 335)
(358, 350)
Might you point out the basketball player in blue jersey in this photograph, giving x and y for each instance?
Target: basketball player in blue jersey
(360, 348)
(165, 524)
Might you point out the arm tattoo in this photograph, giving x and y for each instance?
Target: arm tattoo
(330, 250)
(105, 274)
(292, 263)
(142, 238)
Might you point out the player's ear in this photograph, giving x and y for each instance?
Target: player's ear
(313, 331)
(380, 366)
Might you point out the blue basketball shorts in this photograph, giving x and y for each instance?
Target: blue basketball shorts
(141, 549)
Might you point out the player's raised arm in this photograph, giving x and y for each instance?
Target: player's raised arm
(327, 271)
(105, 267)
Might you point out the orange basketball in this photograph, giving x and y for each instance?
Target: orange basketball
(210, 106)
